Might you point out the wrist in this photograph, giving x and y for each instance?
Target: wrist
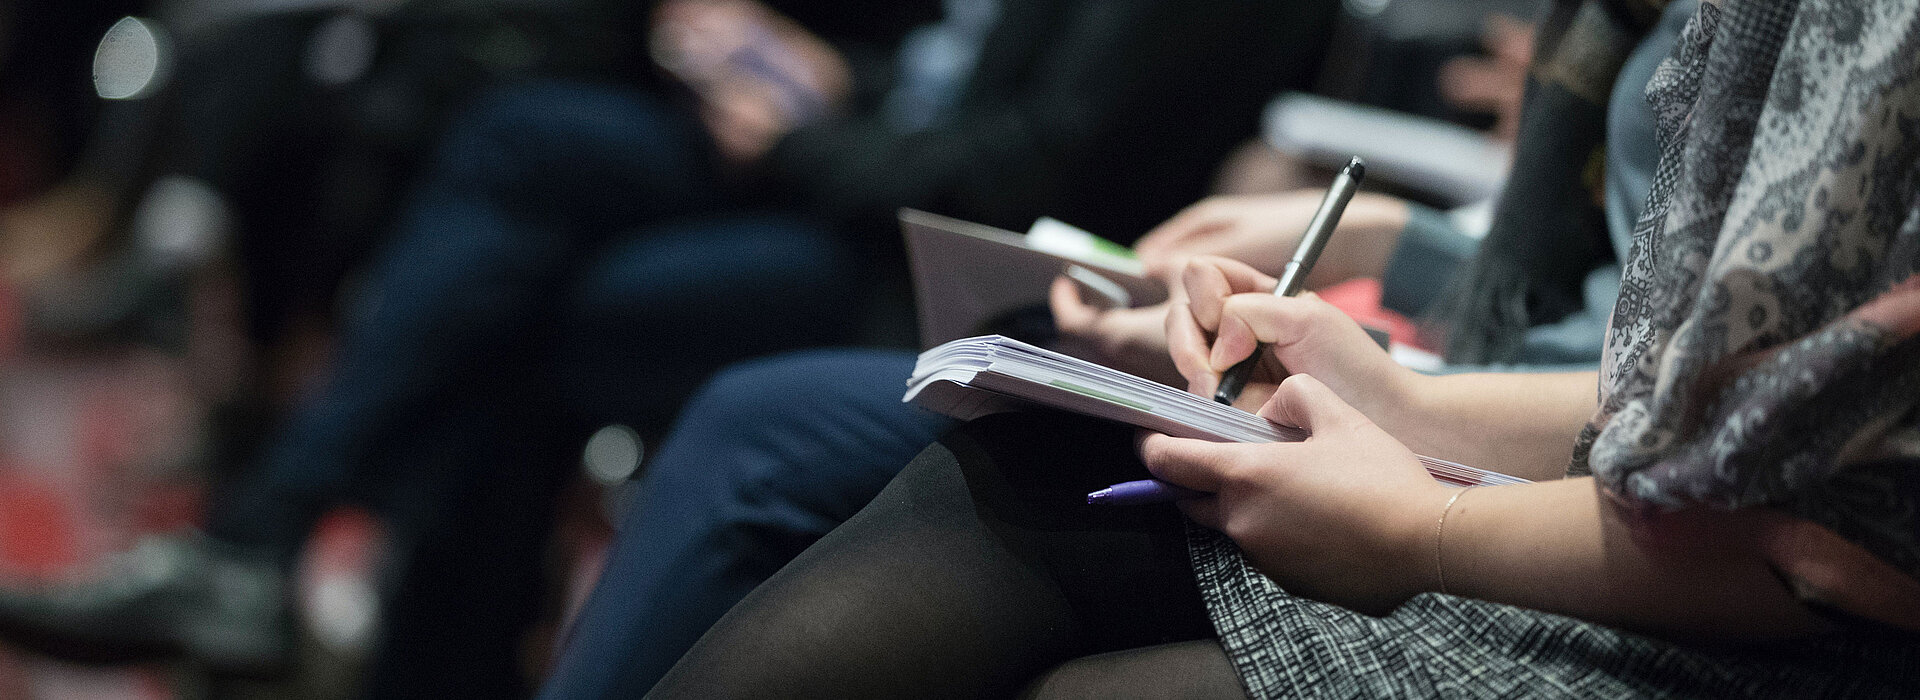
(1402, 403)
(1421, 539)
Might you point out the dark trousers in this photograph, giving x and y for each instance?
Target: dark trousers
(569, 259)
(767, 458)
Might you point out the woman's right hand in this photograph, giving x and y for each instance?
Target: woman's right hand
(1230, 309)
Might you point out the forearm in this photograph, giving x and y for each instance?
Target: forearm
(1564, 547)
(1359, 247)
(1519, 424)
(1262, 230)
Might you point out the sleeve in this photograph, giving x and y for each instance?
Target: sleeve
(1062, 90)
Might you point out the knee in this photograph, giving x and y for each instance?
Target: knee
(515, 135)
(729, 464)
(529, 110)
(799, 437)
(752, 400)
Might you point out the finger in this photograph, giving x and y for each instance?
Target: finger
(1202, 511)
(1211, 279)
(1187, 346)
(1257, 392)
(1281, 322)
(1234, 340)
(1144, 325)
(1165, 266)
(1195, 464)
(1472, 83)
(1071, 314)
(1509, 38)
(1304, 402)
(1206, 286)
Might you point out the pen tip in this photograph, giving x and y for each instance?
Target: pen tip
(1099, 497)
(1357, 168)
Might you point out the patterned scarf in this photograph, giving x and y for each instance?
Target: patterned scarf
(1763, 351)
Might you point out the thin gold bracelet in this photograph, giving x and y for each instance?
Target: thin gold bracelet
(1439, 531)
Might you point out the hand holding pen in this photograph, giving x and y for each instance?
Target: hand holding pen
(1293, 276)
(1234, 275)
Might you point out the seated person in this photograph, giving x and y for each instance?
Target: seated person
(1737, 517)
(744, 483)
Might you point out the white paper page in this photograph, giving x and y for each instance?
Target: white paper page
(1004, 370)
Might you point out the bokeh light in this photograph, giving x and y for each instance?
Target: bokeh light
(131, 61)
(341, 50)
(612, 454)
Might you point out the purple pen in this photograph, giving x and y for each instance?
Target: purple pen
(1137, 493)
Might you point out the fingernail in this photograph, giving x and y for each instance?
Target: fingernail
(1219, 362)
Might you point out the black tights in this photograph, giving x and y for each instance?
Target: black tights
(980, 571)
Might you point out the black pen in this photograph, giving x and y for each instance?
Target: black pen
(1319, 229)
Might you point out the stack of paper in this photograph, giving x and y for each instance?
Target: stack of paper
(972, 377)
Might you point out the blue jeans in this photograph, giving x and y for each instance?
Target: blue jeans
(470, 496)
(555, 220)
(766, 459)
(569, 259)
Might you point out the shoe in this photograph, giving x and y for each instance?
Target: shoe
(170, 598)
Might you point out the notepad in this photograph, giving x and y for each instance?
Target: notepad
(968, 275)
(973, 377)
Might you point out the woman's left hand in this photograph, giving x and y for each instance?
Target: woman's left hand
(1346, 516)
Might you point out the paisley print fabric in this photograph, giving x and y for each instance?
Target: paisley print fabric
(1762, 352)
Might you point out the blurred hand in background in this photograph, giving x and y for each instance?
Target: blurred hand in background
(757, 73)
(1496, 82)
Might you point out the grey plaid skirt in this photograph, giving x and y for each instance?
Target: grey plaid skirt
(1442, 646)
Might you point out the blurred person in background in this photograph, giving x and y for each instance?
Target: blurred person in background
(235, 162)
(247, 155)
(576, 250)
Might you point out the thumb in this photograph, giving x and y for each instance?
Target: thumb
(1071, 313)
(1185, 462)
(1304, 402)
